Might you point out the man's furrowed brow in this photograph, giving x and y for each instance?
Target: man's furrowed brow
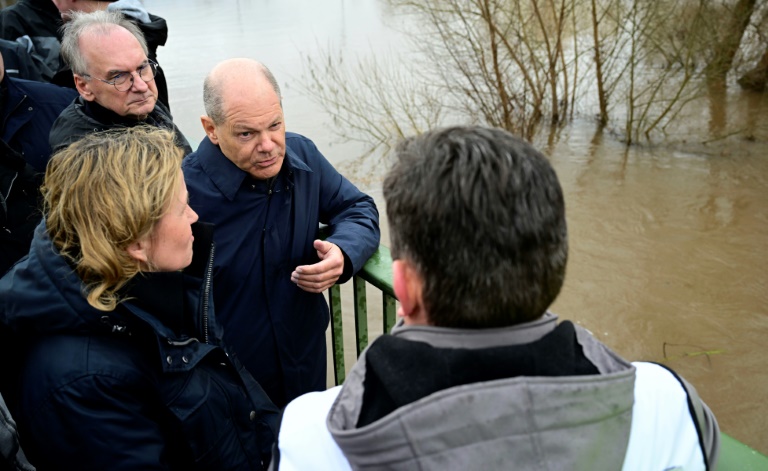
(242, 128)
(116, 71)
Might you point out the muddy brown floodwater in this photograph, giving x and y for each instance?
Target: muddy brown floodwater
(669, 244)
(668, 263)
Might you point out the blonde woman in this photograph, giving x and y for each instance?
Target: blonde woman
(122, 366)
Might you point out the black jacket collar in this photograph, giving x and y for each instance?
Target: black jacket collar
(107, 116)
(169, 296)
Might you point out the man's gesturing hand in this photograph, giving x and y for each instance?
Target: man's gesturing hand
(320, 276)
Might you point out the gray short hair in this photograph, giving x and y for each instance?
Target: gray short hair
(212, 96)
(100, 21)
(480, 214)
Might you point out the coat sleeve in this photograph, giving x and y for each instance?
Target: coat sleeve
(351, 215)
(95, 423)
(706, 424)
(304, 441)
(671, 426)
(11, 453)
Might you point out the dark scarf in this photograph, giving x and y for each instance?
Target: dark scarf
(399, 371)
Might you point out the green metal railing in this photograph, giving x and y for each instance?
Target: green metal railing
(378, 272)
(734, 455)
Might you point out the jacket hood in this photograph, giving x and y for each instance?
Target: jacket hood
(533, 422)
(43, 294)
(155, 32)
(131, 8)
(154, 28)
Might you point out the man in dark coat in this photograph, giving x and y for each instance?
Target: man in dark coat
(267, 190)
(114, 76)
(27, 112)
(153, 27)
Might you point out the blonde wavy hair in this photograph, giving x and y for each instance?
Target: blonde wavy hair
(104, 192)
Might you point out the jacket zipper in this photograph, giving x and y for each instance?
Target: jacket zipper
(207, 292)
(264, 239)
(13, 110)
(10, 187)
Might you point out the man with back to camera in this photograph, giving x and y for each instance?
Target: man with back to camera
(478, 374)
(267, 190)
(27, 112)
(114, 76)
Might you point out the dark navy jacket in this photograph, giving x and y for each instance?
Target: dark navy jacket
(28, 112)
(147, 386)
(264, 230)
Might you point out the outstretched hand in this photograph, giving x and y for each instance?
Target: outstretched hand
(320, 276)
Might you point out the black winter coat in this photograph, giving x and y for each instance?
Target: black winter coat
(34, 18)
(39, 20)
(27, 112)
(147, 386)
(83, 117)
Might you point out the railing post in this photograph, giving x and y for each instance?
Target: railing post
(361, 314)
(389, 311)
(337, 333)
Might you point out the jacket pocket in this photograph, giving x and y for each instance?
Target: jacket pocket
(207, 417)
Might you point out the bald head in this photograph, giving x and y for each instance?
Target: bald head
(245, 116)
(228, 78)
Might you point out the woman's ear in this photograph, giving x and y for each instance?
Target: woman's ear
(139, 250)
(408, 287)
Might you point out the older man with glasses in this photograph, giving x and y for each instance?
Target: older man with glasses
(108, 57)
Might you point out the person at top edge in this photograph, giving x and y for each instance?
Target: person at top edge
(34, 24)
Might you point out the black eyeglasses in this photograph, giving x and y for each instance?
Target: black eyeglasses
(123, 81)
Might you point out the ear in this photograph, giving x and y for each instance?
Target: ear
(84, 88)
(210, 129)
(139, 250)
(408, 287)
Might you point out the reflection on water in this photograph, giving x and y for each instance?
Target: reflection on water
(668, 245)
(202, 33)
